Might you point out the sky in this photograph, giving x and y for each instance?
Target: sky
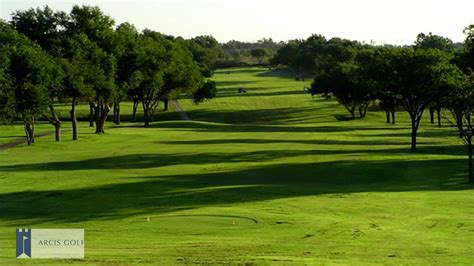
(377, 21)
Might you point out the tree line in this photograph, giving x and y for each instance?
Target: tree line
(432, 74)
(82, 57)
(238, 53)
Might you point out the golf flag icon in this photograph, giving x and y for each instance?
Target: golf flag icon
(23, 243)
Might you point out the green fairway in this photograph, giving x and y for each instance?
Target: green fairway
(271, 175)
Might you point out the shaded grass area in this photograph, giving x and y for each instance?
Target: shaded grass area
(271, 178)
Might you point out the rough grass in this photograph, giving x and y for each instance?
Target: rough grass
(270, 176)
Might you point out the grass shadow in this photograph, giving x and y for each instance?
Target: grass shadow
(165, 194)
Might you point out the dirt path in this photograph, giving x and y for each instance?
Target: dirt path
(181, 113)
(20, 141)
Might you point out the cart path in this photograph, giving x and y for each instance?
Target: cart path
(177, 109)
(22, 140)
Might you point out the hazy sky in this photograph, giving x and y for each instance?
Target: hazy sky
(382, 21)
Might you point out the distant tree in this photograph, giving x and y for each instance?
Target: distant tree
(206, 51)
(259, 54)
(182, 76)
(431, 41)
(342, 81)
(307, 55)
(386, 84)
(286, 55)
(349, 78)
(206, 92)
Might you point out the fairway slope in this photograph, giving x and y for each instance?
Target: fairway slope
(268, 176)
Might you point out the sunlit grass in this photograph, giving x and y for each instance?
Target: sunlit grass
(270, 176)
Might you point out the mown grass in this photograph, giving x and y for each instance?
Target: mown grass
(269, 176)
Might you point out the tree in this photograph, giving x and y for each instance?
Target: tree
(31, 76)
(90, 76)
(418, 74)
(468, 57)
(206, 92)
(98, 28)
(205, 50)
(166, 70)
(431, 41)
(55, 92)
(93, 32)
(151, 62)
(45, 27)
(128, 76)
(8, 37)
(342, 81)
(286, 54)
(349, 79)
(460, 102)
(259, 54)
(386, 84)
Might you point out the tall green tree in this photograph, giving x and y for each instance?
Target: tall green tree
(41, 25)
(31, 74)
(419, 77)
(431, 41)
(46, 28)
(128, 75)
(206, 51)
(349, 78)
(460, 101)
(152, 63)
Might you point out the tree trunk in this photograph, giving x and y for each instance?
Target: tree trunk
(460, 125)
(469, 152)
(54, 120)
(101, 110)
(414, 129)
(135, 107)
(387, 114)
(117, 113)
(165, 102)
(432, 110)
(393, 116)
(33, 130)
(73, 118)
(29, 130)
(91, 115)
(438, 111)
(146, 115)
(363, 110)
(57, 132)
(29, 136)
